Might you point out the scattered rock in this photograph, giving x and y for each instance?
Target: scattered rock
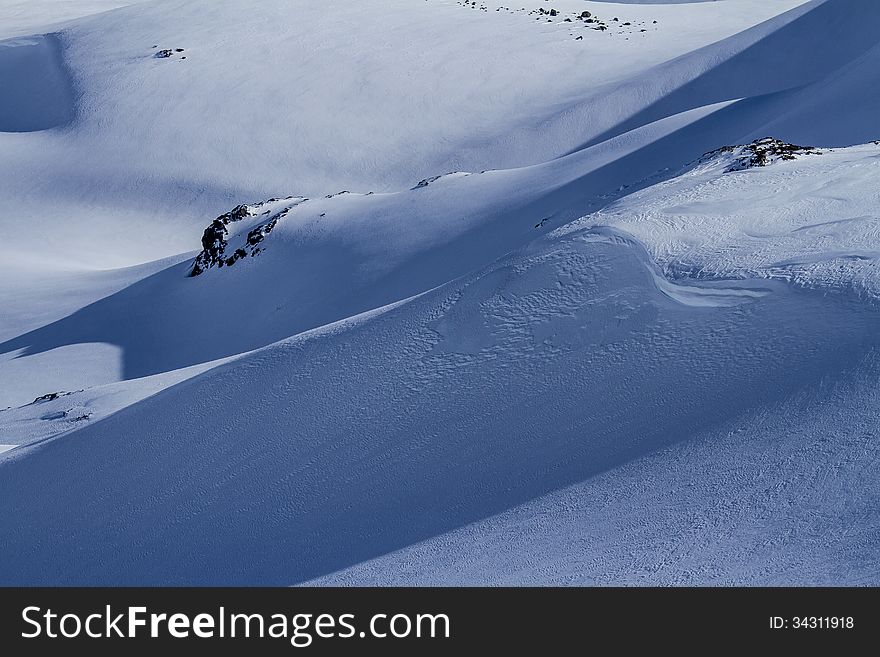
(548, 15)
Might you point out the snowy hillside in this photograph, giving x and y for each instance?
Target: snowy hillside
(437, 292)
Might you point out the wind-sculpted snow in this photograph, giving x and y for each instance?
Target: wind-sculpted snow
(812, 221)
(550, 367)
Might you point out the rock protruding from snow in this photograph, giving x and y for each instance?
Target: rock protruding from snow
(220, 248)
(52, 396)
(428, 181)
(760, 153)
(168, 52)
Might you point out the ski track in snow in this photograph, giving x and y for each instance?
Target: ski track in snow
(578, 358)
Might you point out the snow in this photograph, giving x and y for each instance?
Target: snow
(728, 507)
(380, 63)
(26, 17)
(65, 411)
(501, 322)
(547, 368)
(31, 299)
(812, 221)
(37, 92)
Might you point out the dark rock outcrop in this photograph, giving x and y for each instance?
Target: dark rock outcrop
(760, 153)
(167, 52)
(216, 248)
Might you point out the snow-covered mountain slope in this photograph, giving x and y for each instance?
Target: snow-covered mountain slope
(62, 411)
(839, 109)
(26, 17)
(515, 91)
(472, 278)
(785, 495)
(569, 362)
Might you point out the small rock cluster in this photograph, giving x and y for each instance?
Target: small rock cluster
(167, 53)
(760, 153)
